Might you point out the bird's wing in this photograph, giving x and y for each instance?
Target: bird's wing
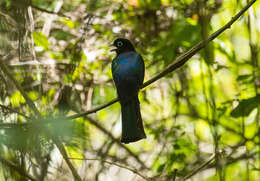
(141, 69)
(114, 64)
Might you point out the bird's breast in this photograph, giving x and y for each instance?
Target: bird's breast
(125, 66)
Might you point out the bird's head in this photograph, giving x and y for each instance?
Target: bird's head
(122, 45)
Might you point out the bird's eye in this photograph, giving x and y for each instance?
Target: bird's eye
(119, 44)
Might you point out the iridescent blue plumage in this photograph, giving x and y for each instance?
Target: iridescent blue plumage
(128, 75)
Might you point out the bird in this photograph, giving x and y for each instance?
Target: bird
(128, 74)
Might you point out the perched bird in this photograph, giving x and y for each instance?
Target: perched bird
(128, 74)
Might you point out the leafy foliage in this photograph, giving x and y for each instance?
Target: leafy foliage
(59, 52)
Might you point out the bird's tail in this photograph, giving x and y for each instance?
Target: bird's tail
(132, 124)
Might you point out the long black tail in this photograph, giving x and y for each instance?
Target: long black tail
(132, 124)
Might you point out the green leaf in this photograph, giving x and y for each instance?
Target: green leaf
(40, 40)
(33, 95)
(17, 98)
(69, 23)
(245, 106)
(62, 35)
(245, 78)
(160, 167)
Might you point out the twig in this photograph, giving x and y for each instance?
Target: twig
(178, 62)
(47, 25)
(113, 163)
(65, 156)
(31, 27)
(199, 168)
(93, 110)
(174, 174)
(13, 110)
(116, 141)
(49, 12)
(16, 168)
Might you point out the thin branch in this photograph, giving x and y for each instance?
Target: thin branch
(13, 111)
(65, 156)
(16, 168)
(49, 12)
(199, 168)
(31, 28)
(47, 25)
(177, 63)
(93, 110)
(92, 121)
(174, 174)
(116, 164)
(230, 160)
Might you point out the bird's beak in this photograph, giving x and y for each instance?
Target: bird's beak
(113, 50)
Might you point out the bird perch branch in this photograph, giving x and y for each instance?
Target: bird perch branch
(177, 63)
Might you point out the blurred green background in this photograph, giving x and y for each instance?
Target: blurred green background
(59, 52)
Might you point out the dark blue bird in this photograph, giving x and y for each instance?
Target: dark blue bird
(128, 74)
